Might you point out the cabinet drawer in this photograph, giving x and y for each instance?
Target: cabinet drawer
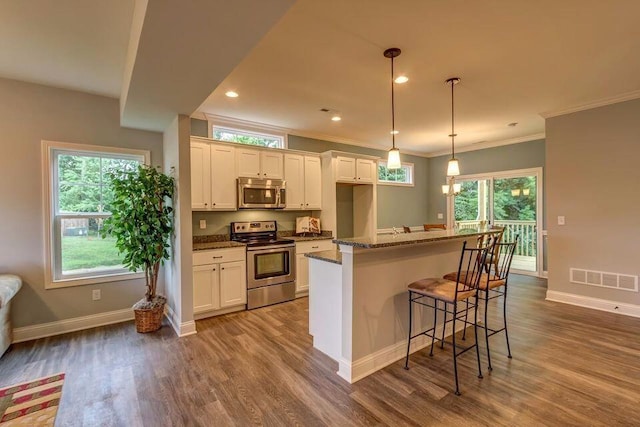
(314, 246)
(218, 255)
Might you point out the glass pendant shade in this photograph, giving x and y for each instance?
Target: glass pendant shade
(453, 168)
(393, 160)
(456, 188)
(445, 189)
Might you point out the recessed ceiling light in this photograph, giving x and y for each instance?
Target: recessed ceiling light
(513, 124)
(231, 94)
(401, 79)
(394, 132)
(336, 118)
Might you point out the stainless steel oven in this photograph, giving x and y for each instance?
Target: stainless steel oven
(271, 263)
(261, 193)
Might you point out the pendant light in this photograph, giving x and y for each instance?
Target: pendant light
(453, 167)
(393, 159)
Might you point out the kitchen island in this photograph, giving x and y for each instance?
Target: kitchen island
(358, 307)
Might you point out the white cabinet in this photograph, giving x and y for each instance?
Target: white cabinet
(302, 262)
(345, 169)
(223, 178)
(365, 171)
(303, 175)
(213, 176)
(219, 280)
(260, 164)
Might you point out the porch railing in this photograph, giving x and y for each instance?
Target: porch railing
(527, 230)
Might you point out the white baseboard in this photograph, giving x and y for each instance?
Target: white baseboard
(220, 312)
(27, 333)
(594, 303)
(367, 365)
(182, 329)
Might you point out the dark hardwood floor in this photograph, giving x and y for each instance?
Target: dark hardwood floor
(571, 366)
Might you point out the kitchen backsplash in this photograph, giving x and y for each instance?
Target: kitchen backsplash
(218, 222)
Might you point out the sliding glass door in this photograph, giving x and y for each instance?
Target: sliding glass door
(507, 199)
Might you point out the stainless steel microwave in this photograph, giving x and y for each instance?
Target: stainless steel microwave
(261, 193)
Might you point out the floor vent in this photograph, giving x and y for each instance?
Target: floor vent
(603, 279)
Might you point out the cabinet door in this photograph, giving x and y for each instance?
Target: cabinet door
(312, 183)
(249, 163)
(200, 176)
(345, 169)
(233, 284)
(223, 178)
(302, 273)
(206, 288)
(271, 165)
(294, 175)
(365, 171)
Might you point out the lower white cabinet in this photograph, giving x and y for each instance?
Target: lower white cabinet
(302, 262)
(219, 280)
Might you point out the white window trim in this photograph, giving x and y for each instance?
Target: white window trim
(398, 184)
(259, 129)
(48, 148)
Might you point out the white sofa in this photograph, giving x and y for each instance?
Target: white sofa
(9, 287)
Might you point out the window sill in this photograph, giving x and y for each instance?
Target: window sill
(117, 277)
(396, 184)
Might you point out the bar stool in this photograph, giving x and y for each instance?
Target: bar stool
(429, 227)
(493, 285)
(434, 292)
(406, 229)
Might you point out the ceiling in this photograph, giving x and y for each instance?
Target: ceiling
(517, 59)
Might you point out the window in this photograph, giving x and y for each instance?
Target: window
(402, 176)
(248, 137)
(79, 199)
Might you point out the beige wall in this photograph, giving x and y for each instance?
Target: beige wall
(30, 113)
(592, 179)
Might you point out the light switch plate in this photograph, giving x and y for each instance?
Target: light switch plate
(96, 295)
(440, 216)
(561, 220)
(203, 224)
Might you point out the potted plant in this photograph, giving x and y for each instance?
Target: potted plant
(142, 223)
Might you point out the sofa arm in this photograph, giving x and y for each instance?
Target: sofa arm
(9, 286)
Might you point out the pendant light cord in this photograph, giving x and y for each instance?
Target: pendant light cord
(453, 154)
(393, 110)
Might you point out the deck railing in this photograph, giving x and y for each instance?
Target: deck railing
(527, 230)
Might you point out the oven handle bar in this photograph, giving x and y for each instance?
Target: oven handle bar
(271, 248)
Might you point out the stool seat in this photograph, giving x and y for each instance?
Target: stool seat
(442, 289)
(486, 281)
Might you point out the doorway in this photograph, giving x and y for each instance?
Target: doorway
(510, 199)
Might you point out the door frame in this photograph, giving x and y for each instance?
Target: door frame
(537, 172)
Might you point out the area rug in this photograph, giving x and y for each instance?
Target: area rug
(34, 403)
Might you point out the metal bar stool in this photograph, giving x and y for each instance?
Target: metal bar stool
(492, 285)
(450, 293)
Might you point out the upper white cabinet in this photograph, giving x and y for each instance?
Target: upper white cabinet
(303, 175)
(365, 171)
(345, 169)
(260, 164)
(213, 177)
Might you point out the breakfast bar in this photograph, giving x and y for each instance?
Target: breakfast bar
(358, 304)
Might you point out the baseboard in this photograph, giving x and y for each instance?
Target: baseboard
(632, 310)
(367, 365)
(213, 313)
(182, 329)
(28, 333)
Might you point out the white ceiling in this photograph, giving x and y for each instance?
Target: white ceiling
(73, 44)
(517, 59)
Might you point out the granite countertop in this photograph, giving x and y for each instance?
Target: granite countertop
(333, 256)
(217, 245)
(308, 238)
(388, 240)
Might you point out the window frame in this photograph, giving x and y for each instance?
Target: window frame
(254, 129)
(409, 165)
(53, 219)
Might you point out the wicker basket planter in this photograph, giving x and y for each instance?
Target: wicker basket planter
(148, 314)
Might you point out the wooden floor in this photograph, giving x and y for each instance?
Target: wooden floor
(571, 366)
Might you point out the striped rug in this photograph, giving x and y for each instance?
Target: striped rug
(34, 403)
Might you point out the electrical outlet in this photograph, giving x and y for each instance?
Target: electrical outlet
(440, 216)
(560, 220)
(203, 224)
(96, 295)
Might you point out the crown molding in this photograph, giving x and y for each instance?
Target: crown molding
(594, 104)
(489, 144)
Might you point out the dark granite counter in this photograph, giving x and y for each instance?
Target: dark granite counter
(217, 245)
(333, 256)
(388, 240)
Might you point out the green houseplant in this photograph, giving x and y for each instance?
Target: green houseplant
(142, 223)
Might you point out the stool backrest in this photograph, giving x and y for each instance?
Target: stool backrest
(471, 267)
(429, 227)
(502, 257)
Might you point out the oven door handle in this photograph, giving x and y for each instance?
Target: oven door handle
(277, 197)
(270, 248)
